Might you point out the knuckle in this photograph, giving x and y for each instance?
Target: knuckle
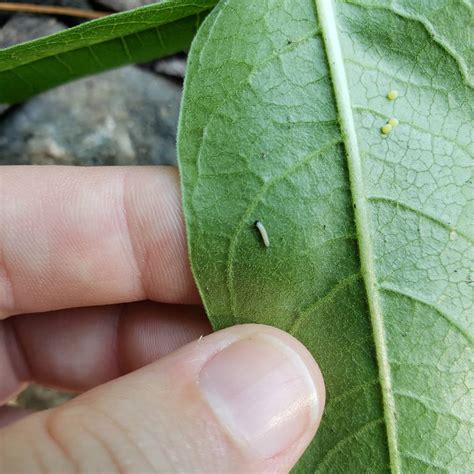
(82, 442)
(57, 449)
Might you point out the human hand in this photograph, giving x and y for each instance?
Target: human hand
(90, 249)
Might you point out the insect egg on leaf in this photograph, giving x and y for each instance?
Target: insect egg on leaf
(393, 122)
(392, 95)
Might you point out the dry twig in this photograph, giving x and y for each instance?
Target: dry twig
(50, 10)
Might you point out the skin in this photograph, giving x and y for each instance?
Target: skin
(96, 296)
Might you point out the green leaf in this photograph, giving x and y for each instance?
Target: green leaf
(138, 35)
(371, 235)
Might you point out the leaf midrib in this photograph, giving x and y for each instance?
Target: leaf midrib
(329, 29)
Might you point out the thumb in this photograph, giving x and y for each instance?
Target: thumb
(245, 399)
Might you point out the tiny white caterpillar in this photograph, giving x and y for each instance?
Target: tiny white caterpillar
(263, 233)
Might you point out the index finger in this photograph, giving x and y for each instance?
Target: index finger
(91, 236)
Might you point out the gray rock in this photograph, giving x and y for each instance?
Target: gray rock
(119, 5)
(20, 28)
(61, 3)
(85, 4)
(174, 66)
(123, 117)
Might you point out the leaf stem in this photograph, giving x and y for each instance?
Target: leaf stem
(50, 10)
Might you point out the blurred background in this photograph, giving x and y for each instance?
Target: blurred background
(123, 117)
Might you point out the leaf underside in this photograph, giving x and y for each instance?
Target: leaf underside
(371, 235)
(138, 35)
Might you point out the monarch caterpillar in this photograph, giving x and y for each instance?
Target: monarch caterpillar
(263, 233)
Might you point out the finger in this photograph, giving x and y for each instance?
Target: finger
(91, 236)
(80, 348)
(9, 415)
(247, 399)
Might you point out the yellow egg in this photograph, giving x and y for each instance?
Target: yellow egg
(393, 122)
(392, 95)
(386, 129)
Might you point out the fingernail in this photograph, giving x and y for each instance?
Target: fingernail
(262, 391)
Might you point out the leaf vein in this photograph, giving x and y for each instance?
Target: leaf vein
(239, 88)
(353, 391)
(323, 462)
(329, 28)
(423, 460)
(328, 296)
(241, 223)
(415, 210)
(415, 127)
(388, 287)
(428, 405)
(428, 27)
(396, 74)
